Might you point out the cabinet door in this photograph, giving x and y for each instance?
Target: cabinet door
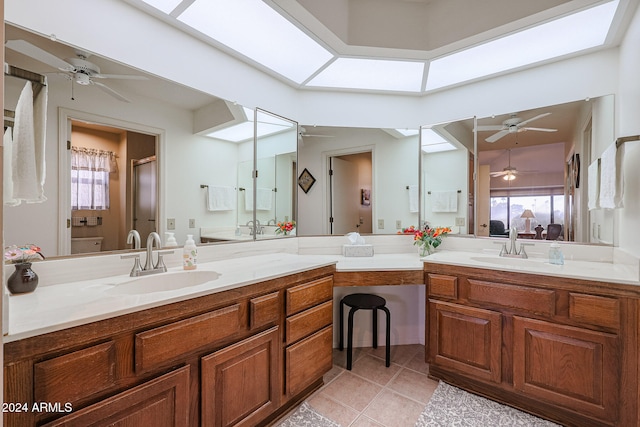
(571, 367)
(465, 339)
(240, 383)
(163, 401)
(308, 360)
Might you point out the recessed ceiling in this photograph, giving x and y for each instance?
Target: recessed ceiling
(427, 44)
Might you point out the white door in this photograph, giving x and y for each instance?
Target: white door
(145, 198)
(345, 196)
(483, 200)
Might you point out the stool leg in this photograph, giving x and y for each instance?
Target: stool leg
(375, 328)
(350, 338)
(388, 349)
(341, 326)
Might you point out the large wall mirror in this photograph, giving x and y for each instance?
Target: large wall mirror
(448, 157)
(534, 172)
(356, 180)
(175, 150)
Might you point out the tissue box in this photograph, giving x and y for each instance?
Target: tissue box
(357, 250)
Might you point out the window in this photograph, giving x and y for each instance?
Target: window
(90, 178)
(547, 208)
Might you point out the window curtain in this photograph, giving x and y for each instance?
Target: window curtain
(90, 171)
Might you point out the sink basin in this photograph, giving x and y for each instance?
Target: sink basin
(514, 262)
(163, 282)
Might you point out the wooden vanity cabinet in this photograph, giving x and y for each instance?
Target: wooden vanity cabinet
(214, 360)
(563, 349)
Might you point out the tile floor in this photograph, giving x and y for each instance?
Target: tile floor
(372, 394)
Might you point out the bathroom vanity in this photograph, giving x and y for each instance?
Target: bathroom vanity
(235, 357)
(562, 348)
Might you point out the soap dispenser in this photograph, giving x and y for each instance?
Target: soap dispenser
(555, 254)
(189, 254)
(170, 240)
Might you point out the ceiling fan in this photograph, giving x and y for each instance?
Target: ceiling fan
(79, 70)
(509, 173)
(302, 133)
(513, 125)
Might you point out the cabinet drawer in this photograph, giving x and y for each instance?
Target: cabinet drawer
(308, 360)
(264, 310)
(166, 343)
(443, 286)
(75, 375)
(309, 294)
(308, 322)
(594, 310)
(532, 300)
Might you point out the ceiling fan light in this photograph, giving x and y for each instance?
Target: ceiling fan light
(509, 177)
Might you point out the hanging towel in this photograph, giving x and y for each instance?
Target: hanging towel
(263, 199)
(7, 174)
(78, 221)
(221, 198)
(611, 177)
(593, 184)
(28, 161)
(92, 221)
(413, 198)
(444, 201)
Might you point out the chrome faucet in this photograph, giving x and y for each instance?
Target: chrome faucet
(134, 237)
(512, 250)
(149, 266)
(254, 227)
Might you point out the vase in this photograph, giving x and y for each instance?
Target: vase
(23, 279)
(424, 250)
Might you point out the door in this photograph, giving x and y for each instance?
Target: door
(483, 201)
(344, 196)
(144, 197)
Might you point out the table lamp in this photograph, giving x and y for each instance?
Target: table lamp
(527, 215)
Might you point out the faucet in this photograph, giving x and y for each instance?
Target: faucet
(254, 227)
(272, 220)
(149, 266)
(134, 237)
(513, 250)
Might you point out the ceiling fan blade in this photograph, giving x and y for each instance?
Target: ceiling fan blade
(119, 76)
(489, 127)
(304, 135)
(497, 136)
(38, 54)
(539, 116)
(540, 129)
(110, 91)
(498, 173)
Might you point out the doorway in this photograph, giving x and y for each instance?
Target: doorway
(350, 193)
(145, 203)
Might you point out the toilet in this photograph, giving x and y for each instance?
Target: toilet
(80, 245)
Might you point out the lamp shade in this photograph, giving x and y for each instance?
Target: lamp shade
(527, 214)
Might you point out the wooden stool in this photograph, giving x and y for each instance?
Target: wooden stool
(364, 302)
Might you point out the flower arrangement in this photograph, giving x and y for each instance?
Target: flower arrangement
(22, 254)
(409, 230)
(285, 227)
(429, 238)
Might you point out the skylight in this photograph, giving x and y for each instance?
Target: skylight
(258, 32)
(372, 74)
(433, 142)
(267, 125)
(572, 33)
(165, 6)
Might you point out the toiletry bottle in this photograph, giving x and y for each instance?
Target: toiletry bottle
(189, 254)
(555, 254)
(170, 241)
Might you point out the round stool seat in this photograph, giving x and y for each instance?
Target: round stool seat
(364, 301)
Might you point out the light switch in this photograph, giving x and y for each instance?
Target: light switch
(381, 224)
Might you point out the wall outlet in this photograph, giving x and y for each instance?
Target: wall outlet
(381, 224)
(459, 221)
(398, 224)
(192, 223)
(171, 223)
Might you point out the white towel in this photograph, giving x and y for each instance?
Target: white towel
(7, 174)
(221, 198)
(611, 177)
(78, 221)
(444, 201)
(263, 199)
(28, 156)
(92, 221)
(593, 184)
(413, 199)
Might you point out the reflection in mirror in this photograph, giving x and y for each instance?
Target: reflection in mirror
(447, 155)
(276, 143)
(369, 189)
(533, 171)
(178, 118)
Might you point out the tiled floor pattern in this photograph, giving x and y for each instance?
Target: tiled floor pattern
(372, 395)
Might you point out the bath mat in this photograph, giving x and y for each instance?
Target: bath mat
(305, 416)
